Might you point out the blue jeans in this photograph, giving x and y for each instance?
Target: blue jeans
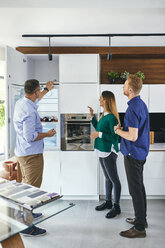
(111, 177)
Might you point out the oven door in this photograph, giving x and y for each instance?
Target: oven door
(77, 136)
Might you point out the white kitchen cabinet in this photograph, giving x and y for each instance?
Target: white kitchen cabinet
(51, 176)
(154, 173)
(78, 68)
(75, 98)
(16, 67)
(79, 173)
(144, 94)
(121, 99)
(157, 98)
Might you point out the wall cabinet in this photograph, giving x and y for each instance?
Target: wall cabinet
(78, 68)
(79, 173)
(76, 98)
(121, 99)
(117, 89)
(157, 98)
(16, 67)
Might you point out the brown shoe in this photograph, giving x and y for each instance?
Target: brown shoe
(133, 233)
(132, 222)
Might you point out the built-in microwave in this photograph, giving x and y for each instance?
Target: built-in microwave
(75, 132)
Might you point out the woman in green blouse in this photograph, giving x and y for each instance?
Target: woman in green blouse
(106, 144)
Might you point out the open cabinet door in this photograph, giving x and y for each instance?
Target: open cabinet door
(16, 74)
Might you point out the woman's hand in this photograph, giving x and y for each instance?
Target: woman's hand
(90, 111)
(95, 135)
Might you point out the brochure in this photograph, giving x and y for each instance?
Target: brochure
(25, 195)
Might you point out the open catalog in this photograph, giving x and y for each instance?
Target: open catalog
(25, 195)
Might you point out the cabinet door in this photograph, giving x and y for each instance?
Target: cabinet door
(121, 99)
(16, 73)
(76, 98)
(154, 173)
(16, 67)
(51, 175)
(144, 94)
(79, 173)
(78, 68)
(156, 98)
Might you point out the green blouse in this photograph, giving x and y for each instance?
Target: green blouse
(106, 126)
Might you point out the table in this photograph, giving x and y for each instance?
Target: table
(14, 219)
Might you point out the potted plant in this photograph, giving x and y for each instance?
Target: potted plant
(112, 75)
(140, 75)
(124, 75)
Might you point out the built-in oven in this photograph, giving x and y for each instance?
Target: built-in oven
(75, 132)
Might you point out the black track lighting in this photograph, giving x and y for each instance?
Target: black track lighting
(50, 57)
(109, 56)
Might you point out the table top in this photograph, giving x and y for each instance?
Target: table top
(14, 218)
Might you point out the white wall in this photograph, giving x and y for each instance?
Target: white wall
(130, 19)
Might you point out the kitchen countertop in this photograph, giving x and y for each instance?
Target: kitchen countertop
(157, 147)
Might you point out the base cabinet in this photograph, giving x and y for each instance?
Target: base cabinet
(79, 173)
(51, 176)
(154, 173)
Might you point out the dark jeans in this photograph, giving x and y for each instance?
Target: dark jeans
(111, 177)
(134, 172)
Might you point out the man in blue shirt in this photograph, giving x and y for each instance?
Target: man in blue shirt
(29, 138)
(135, 147)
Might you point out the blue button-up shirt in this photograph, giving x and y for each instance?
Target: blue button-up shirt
(27, 125)
(136, 116)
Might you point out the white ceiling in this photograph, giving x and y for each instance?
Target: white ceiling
(19, 17)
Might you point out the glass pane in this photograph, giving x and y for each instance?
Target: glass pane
(14, 219)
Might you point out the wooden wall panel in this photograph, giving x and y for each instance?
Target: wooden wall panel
(154, 69)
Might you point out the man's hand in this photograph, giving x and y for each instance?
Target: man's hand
(91, 111)
(49, 85)
(117, 127)
(51, 133)
(95, 135)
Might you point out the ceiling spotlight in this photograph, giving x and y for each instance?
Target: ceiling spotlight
(109, 56)
(50, 57)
